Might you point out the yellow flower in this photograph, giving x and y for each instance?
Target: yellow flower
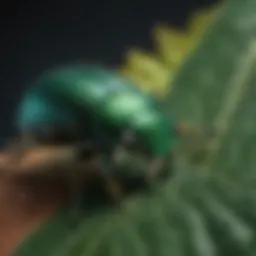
(154, 72)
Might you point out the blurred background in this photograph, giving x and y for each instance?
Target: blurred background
(37, 35)
(212, 214)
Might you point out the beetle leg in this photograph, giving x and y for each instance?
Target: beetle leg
(115, 190)
(185, 130)
(196, 141)
(88, 166)
(154, 170)
(113, 186)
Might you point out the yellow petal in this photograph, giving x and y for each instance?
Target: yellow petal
(146, 71)
(172, 45)
(200, 21)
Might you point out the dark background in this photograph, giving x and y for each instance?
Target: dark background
(37, 35)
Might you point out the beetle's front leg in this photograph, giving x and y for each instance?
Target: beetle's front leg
(113, 185)
(195, 141)
(115, 190)
(87, 166)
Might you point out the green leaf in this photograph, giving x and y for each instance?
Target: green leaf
(196, 213)
(216, 88)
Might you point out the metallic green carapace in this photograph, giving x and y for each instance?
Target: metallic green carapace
(98, 101)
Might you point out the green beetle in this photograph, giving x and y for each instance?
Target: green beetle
(90, 105)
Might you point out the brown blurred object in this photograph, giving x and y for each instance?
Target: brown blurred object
(24, 208)
(32, 188)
